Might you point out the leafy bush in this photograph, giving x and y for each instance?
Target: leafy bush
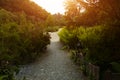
(102, 43)
(99, 44)
(70, 38)
(20, 40)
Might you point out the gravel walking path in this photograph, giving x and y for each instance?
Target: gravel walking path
(54, 65)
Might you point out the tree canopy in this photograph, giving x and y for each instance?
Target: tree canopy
(95, 12)
(26, 6)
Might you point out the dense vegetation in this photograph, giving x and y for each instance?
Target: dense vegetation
(22, 35)
(54, 22)
(93, 29)
(30, 8)
(95, 42)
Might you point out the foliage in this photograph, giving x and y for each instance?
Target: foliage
(50, 21)
(72, 12)
(52, 28)
(59, 19)
(7, 71)
(115, 67)
(21, 39)
(64, 35)
(22, 35)
(54, 22)
(99, 43)
(95, 12)
(102, 44)
(69, 38)
(32, 10)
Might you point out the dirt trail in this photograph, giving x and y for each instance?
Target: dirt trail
(54, 65)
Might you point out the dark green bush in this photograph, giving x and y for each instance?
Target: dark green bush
(102, 43)
(99, 45)
(20, 40)
(115, 67)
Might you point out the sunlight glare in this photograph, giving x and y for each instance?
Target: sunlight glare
(52, 6)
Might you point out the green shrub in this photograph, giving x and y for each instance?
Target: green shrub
(99, 45)
(102, 43)
(20, 40)
(70, 38)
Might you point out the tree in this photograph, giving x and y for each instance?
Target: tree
(105, 11)
(72, 12)
(59, 19)
(21, 34)
(50, 21)
(27, 6)
(95, 13)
